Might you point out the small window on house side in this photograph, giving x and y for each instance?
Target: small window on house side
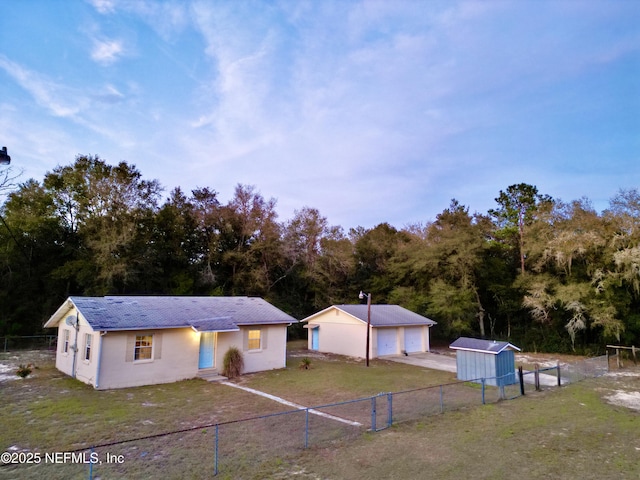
(87, 346)
(65, 341)
(144, 348)
(254, 340)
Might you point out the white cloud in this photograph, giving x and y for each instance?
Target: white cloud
(107, 52)
(109, 94)
(103, 6)
(54, 97)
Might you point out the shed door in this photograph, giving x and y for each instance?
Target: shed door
(413, 339)
(207, 345)
(315, 338)
(387, 341)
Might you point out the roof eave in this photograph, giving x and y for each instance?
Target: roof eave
(279, 322)
(206, 330)
(311, 317)
(55, 319)
(403, 325)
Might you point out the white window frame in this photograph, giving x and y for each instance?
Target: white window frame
(139, 348)
(88, 340)
(251, 345)
(65, 340)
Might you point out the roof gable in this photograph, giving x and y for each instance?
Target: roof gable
(201, 313)
(478, 345)
(381, 315)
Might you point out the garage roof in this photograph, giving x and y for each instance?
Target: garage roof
(381, 315)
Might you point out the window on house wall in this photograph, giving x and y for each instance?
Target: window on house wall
(254, 340)
(65, 341)
(87, 346)
(144, 348)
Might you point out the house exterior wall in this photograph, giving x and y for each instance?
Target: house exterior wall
(73, 361)
(174, 358)
(271, 355)
(341, 334)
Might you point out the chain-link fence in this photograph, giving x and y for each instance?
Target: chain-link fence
(234, 448)
(587, 368)
(30, 342)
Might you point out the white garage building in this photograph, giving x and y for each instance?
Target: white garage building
(342, 329)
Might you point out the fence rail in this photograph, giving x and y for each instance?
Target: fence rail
(234, 446)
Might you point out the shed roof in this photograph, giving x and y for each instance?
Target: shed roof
(201, 313)
(478, 345)
(381, 315)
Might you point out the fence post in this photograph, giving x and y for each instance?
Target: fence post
(91, 463)
(559, 376)
(373, 414)
(441, 400)
(536, 375)
(215, 452)
(521, 378)
(389, 409)
(482, 382)
(306, 428)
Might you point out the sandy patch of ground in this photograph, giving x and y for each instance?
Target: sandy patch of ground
(7, 372)
(522, 358)
(624, 399)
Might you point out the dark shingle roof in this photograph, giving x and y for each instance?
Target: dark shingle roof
(202, 313)
(479, 345)
(386, 315)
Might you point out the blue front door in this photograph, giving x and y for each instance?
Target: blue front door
(207, 346)
(314, 338)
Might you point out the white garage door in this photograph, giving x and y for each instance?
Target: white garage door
(387, 343)
(413, 339)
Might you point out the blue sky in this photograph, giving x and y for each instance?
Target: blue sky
(368, 111)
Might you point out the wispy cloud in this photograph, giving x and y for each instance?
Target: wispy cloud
(73, 104)
(54, 97)
(167, 17)
(107, 52)
(370, 110)
(109, 94)
(103, 6)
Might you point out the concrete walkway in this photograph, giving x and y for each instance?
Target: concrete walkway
(291, 404)
(434, 361)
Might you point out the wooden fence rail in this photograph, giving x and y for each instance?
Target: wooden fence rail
(617, 348)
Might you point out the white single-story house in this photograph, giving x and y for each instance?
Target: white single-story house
(126, 341)
(342, 329)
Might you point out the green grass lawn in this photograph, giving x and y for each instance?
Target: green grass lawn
(561, 433)
(334, 378)
(566, 433)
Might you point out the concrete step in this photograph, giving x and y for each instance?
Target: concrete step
(211, 375)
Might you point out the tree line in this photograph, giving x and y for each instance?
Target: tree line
(545, 274)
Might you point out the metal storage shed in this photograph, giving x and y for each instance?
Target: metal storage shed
(494, 361)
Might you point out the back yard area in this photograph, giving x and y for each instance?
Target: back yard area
(584, 430)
